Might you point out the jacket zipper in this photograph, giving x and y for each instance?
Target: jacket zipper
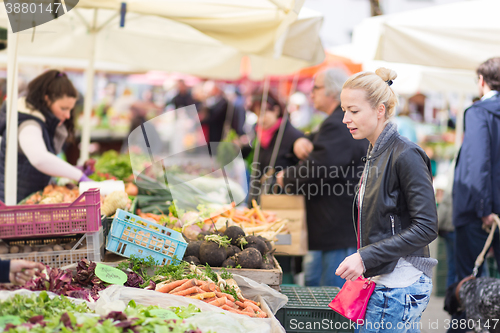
(361, 198)
(392, 221)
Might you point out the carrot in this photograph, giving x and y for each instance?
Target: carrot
(188, 291)
(208, 287)
(240, 304)
(220, 294)
(170, 286)
(249, 300)
(231, 304)
(219, 301)
(185, 285)
(208, 300)
(250, 212)
(230, 309)
(252, 306)
(258, 211)
(203, 296)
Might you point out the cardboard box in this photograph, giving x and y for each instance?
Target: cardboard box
(292, 208)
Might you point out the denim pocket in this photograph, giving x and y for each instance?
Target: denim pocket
(415, 304)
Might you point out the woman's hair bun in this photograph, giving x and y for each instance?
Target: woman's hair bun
(386, 74)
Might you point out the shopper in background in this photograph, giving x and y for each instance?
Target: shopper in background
(222, 115)
(397, 216)
(329, 170)
(476, 187)
(183, 97)
(18, 271)
(268, 136)
(45, 123)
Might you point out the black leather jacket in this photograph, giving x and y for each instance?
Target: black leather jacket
(398, 213)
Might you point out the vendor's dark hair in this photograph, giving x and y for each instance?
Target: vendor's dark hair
(490, 70)
(272, 101)
(55, 85)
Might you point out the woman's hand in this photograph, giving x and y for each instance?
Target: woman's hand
(302, 147)
(21, 271)
(351, 268)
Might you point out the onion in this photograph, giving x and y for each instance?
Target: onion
(191, 231)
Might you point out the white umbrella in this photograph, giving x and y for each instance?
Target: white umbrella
(227, 32)
(460, 35)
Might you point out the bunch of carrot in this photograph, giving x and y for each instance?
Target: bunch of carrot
(255, 215)
(210, 293)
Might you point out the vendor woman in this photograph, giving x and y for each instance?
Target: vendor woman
(45, 122)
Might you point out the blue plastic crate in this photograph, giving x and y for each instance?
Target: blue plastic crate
(131, 234)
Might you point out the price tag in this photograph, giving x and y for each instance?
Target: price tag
(163, 314)
(110, 274)
(4, 320)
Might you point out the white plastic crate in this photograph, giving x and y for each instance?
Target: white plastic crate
(93, 251)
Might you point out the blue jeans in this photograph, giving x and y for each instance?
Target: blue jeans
(320, 267)
(397, 310)
(449, 237)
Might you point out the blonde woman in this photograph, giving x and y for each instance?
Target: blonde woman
(396, 209)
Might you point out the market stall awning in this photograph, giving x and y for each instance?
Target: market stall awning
(459, 35)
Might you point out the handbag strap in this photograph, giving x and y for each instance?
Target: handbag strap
(480, 257)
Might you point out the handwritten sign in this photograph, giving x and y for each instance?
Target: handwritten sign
(163, 314)
(110, 274)
(4, 320)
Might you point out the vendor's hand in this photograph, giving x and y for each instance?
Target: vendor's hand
(279, 178)
(88, 167)
(351, 268)
(84, 179)
(21, 271)
(302, 147)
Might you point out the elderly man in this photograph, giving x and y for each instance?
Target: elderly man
(330, 167)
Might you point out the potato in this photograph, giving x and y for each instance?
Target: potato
(68, 246)
(58, 248)
(46, 249)
(14, 249)
(27, 249)
(4, 249)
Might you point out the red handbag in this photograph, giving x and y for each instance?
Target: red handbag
(352, 299)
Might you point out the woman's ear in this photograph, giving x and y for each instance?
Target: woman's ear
(381, 111)
(47, 100)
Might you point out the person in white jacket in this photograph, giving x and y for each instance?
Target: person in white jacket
(45, 123)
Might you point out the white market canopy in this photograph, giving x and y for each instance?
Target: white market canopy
(460, 35)
(200, 37)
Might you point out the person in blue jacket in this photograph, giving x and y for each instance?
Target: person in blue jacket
(18, 271)
(476, 186)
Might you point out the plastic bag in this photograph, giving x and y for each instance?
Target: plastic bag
(252, 289)
(212, 318)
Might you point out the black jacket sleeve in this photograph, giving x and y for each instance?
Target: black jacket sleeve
(331, 155)
(4, 271)
(416, 187)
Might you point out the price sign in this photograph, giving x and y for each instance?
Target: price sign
(110, 274)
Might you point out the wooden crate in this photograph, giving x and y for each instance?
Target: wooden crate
(272, 277)
(291, 208)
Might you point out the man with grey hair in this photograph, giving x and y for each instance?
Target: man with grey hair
(330, 167)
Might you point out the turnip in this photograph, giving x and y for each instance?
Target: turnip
(192, 260)
(234, 233)
(212, 253)
(257, 243)
(232, 250)
(193, 249)
(249, 258)
(229, 262)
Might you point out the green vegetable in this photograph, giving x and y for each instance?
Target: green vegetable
(26, 307)
(113, 164)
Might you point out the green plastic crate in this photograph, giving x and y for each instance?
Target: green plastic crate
(307, 311)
